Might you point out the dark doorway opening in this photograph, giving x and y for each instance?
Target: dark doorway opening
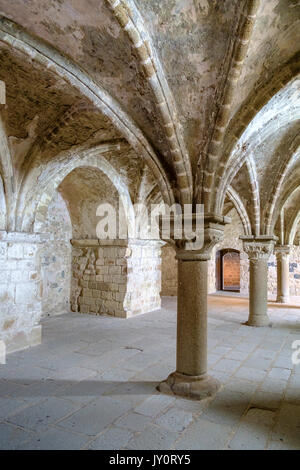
(228, 270)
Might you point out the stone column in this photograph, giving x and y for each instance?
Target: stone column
(283, 272)
(190, 378)
(259, 250)
(116, 277)
(21, 289)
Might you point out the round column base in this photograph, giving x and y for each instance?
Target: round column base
(282, 300)
(196, 387)
(258, 321)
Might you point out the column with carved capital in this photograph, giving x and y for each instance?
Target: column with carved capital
(259, 250)
(283, 271)
(190, 378)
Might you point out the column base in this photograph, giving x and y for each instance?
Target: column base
(258, 321)
(197, 387)
(282, 300)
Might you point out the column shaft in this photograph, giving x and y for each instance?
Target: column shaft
(258, 295)
(192, 317)
(283, 265)
(190, 378)
(259, 250)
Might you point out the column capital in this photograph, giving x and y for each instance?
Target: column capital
(282, 250)
(207, 231)
(258, 247)
(212, 235)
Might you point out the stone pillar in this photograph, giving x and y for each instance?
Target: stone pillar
(283, 273)
(190, 378)
(21, 289)
(116, 277)
(259, 250)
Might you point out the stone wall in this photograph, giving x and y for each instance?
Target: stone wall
(294, 277)
(168, 271)
(116, 278)
(56, 259)
(20, 289)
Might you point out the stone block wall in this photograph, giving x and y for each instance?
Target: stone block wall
(21, 289)
(294, 277)
(295, 271)
(56, 259)
(116, 278)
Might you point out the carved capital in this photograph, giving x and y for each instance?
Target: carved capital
(207, 231)
(212, 235)
(257, 250)
(282, 252)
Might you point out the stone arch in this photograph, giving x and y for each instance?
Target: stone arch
(241, 210)
(253, 105)
(281, 201)
(273, 112)
(132, 23)
(36, 210)
(293, 229)
(275, 195)
(76, 77)
(2, 206)
(6, 189)
(253, 180)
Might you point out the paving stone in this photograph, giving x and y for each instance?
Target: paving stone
(96, 416)
(227, 365)
(249, 373)
(113, 396)
(134, 421)
(38, 417)
(279, 373)
(12, 437)
(253, 432)
(153, 438)
(174, 419)
(56, 439)
(154, 405)
(204, 435)
(112, 439)
(227, 408)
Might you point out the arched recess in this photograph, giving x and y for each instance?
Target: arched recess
(108, 276)
(38, 198)
(59, 260)
(76, 77)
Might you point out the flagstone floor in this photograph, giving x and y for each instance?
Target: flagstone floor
(91, 384)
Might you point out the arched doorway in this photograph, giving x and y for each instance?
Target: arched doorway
(228, 270)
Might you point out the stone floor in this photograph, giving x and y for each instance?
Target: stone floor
(91, 384)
